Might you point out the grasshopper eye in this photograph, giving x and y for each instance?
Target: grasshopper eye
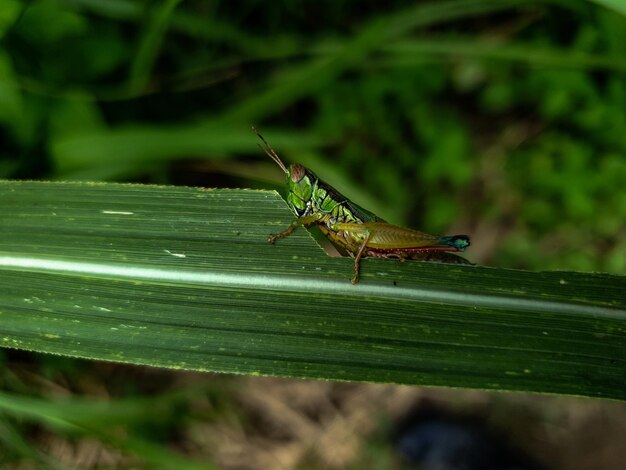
(296, 172)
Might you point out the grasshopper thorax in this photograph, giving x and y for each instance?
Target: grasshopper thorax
(301, 185)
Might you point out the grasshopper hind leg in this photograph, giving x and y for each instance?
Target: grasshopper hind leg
(357, 260)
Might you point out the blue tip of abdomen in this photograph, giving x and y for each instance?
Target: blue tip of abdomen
(460, 242)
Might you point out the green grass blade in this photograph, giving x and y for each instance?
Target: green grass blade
(149, 46)
(136, 148)
(77, 417)
(413, 52)
(183, 278)
(616, 5)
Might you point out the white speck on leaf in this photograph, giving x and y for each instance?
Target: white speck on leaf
(118, 212)
(103, 309)
(177, 255)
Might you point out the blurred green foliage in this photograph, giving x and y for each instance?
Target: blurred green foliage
(503, 119)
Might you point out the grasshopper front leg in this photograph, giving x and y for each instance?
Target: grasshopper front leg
(305, 221)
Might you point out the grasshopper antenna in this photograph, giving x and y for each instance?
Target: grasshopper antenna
(270, 152)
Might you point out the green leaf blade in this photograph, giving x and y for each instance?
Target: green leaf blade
(184, 278)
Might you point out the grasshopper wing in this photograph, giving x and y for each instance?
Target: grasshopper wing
(384, 236)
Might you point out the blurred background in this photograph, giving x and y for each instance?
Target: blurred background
(505, 120)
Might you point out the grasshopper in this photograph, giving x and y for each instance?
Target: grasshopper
(352, 229)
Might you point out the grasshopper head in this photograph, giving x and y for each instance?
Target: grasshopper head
(299, 180)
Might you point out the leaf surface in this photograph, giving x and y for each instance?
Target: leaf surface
(184, 278)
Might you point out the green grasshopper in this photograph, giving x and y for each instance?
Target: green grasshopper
(352, 229)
